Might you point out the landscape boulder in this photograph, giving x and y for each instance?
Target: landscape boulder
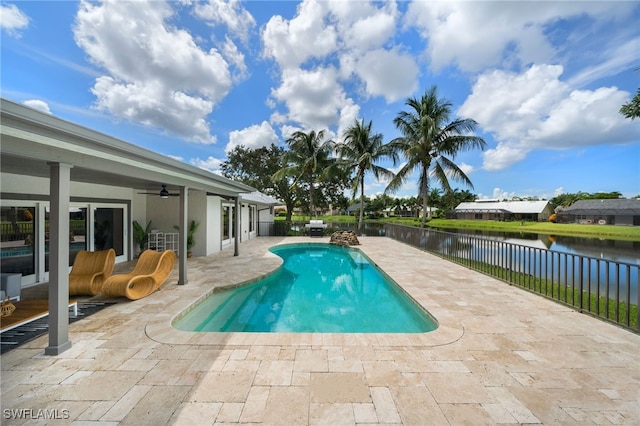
(344, 238)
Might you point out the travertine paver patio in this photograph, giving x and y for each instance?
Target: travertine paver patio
(500, 356)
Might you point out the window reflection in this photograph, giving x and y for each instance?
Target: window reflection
(17, 240)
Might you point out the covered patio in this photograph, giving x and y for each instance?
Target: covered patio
(44, 158)
(501, 355)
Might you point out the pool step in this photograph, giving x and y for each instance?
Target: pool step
(358, 258)
(229, 309)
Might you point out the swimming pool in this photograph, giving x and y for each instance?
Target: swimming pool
(320, 288)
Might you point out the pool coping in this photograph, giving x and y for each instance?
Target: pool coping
(160, 328)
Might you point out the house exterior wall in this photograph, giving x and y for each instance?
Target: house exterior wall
(212, 225)
(265, 214)
(198, 211)
(244, 222)
(165, 216)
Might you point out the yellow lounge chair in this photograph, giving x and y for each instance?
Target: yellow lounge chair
(90, 270)
(151, 271)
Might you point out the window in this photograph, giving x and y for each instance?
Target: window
(225, 222)
(77, 233)
(108, 225)
(17, 242)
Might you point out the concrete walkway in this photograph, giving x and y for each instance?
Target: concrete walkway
(500, 356)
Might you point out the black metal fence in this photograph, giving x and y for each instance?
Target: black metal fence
(604, 288)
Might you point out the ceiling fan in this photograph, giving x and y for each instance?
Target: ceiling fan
(164, 193)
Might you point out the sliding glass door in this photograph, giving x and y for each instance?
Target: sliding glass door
(25, 235)
(109, 230)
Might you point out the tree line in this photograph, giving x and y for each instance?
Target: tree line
(312, 171)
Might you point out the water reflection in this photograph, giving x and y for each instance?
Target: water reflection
(620, 251)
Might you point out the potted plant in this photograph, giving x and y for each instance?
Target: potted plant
(141, 235)
(190, 235)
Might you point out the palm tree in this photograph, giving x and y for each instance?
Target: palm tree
(359, 152)
(435, 198)
(428, 138)
(306, 161)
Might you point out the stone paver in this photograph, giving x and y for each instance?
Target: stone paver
(499, 356)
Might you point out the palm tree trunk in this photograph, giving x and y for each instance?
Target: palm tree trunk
(361, 221)
(311, 206)
(425, 195)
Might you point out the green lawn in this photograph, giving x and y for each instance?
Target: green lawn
(611, 232)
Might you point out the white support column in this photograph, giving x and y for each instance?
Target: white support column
(59, 190)
(184, 229)
(236, 249)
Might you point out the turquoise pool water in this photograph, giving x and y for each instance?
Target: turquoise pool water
(319, 288)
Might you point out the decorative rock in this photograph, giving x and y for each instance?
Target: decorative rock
(344, 238)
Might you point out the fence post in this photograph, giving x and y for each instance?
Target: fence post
(581, 284)
(510, 263)
(637, 300)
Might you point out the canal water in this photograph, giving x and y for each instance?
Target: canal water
(619, 251)
(593, 265)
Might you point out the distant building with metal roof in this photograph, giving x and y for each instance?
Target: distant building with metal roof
(603, 212)
(503, 210)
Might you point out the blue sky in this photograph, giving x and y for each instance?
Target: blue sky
(193, 79)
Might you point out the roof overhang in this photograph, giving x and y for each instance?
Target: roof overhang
(32, 139)
(258, 197)
(481, 210)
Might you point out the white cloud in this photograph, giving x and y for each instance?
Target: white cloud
(38, 104)
(558, 191)
(287, 131)
(503, 156)
(374, 187)
(12, 20)
(536, 110)
(252, 137)
(306, 36)
(476, 35)
(362, 25)
(467, 169)
(500, 194)
(621, 57)
(313, 98)
(210, 164)
(152, 104)
(328, 45)
(388, 73)
(157, 75)
(235, 57)
(230, 13)
(348, 115)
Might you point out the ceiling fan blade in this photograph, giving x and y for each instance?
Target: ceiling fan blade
(158, 194)
(164, 193)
